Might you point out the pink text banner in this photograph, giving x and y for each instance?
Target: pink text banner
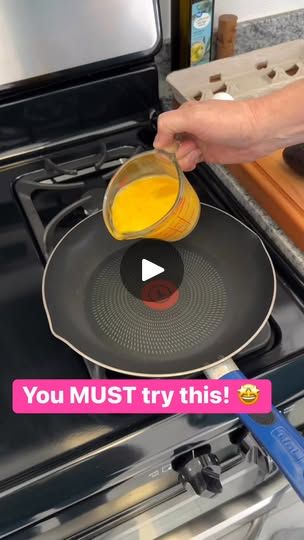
(128, 396)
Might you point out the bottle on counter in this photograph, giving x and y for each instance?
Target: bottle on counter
(226, 36)
(191, 32)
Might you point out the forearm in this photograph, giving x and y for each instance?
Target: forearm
(279, 116)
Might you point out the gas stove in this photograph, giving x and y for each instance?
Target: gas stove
(70, 473)
(42, 197)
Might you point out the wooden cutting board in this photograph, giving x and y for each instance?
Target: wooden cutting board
(278, 189)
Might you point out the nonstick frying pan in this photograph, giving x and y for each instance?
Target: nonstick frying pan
(225, 299)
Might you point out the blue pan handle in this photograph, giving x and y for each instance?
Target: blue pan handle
(279, 438)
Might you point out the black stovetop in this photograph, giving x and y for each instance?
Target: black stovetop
(42, 456)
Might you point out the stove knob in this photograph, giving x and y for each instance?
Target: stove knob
(203, 474)
(254, 453)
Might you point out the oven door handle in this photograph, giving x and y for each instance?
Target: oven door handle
(250, 508)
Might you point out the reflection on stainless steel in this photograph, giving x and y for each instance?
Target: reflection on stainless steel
(242, 515)
(40, 37)
(234, 514)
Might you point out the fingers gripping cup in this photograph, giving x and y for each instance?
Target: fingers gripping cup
(150, 197)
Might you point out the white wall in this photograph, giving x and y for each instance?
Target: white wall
(244, 9)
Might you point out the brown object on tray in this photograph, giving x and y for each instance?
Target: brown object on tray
(226, 36)
(294, 157)
(278, 189)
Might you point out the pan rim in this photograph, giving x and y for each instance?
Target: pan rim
(162, 375)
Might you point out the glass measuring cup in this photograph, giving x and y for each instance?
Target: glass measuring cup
(178, 221)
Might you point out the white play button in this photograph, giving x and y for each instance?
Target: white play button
(144, 260)
(150, 270)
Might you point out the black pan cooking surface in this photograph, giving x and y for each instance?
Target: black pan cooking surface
(224, 299)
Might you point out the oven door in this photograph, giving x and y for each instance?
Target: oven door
(245, 516)
(155, 505)
(182, 516)
(158, 506)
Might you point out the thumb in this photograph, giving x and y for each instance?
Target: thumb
(170, 126)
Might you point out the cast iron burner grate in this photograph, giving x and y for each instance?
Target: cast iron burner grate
(60, 194)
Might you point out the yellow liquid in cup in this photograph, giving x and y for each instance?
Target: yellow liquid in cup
(141, 204)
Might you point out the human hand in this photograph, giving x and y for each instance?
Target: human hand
(212, 131)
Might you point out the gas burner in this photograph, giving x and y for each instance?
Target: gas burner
(61, 193)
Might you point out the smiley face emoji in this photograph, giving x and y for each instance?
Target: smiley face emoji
(248, 394)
